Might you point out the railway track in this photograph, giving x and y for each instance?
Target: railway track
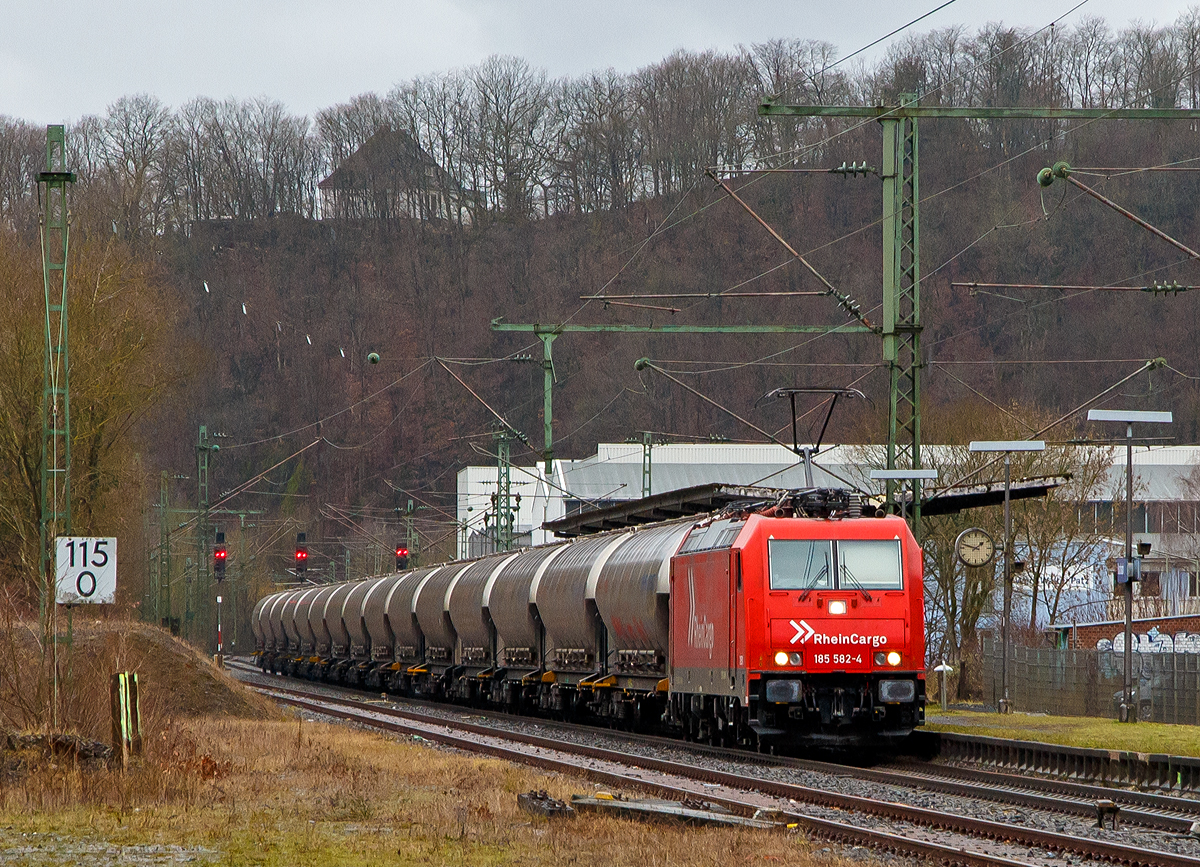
(1146, 810)
(679, 779)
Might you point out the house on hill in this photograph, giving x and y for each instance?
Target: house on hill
(391, 176)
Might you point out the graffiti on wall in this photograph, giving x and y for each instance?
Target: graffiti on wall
(1153, 642)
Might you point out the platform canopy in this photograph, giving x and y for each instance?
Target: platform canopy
(948, 501)
(705, 499)
(697, 500)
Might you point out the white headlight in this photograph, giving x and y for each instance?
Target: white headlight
(837, 606)
(894, 658)
(781, 658)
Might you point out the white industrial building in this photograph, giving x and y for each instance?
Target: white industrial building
(628, 471)
(1166, 485)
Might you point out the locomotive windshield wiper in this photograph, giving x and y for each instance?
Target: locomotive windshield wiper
(816, 579)
(849, 576)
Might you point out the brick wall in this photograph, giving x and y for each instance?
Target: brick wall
(1084, 637)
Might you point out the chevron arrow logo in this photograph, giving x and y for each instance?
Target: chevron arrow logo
(803, 632)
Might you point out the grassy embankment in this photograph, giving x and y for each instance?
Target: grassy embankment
(1105, 734)
(299, 792)
(228, 779)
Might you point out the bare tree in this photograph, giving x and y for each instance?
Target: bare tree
(1060, 542)
(511, 104)
(436, 112)
(22, 156)
(1153, 66)
(344, 128)
(1088, 62)
(693, 111)
(134, 162)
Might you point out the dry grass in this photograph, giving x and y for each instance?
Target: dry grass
(1074, 731)
(176, 681)
(226, 779)
(233, 791)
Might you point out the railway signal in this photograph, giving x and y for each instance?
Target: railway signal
(401, 558)
(220, 555)
(301, 553)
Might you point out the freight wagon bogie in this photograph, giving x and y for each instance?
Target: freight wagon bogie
(765, 628)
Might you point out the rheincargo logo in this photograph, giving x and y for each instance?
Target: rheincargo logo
(805, 633)
(872, 640)
(702, 634)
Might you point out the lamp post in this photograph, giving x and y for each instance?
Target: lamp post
(1128, 710)
(1007, 447)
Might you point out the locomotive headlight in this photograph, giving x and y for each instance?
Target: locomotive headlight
(837, 606)
(781, 657)
(893, 658)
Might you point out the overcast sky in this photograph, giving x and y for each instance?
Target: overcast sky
(310, 54)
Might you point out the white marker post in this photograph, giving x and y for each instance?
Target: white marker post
(942, 671)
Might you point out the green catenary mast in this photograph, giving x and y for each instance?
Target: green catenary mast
(55, 517)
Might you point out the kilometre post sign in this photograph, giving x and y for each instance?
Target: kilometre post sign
(85, 569)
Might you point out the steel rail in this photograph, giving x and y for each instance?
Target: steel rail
(1151, 811)
(1160, 812)
(1049, 840)
(825, 828)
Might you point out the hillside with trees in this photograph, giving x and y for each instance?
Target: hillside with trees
(255, 305)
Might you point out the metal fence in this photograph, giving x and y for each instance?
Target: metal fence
(1089, 682)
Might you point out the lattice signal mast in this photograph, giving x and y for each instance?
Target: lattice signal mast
(56, 388)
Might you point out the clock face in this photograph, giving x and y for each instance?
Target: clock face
(975, 547)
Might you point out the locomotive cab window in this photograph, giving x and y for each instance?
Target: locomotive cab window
(801, 564)
(872, 564)
(808, 564)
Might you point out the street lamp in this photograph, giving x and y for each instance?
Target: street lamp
(1128, 710)
(1007, 447)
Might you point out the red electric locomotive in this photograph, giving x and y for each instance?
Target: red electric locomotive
(805, 630)
(787, 623)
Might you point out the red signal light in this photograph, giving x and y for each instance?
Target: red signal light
(220, 554)
(301, 554)
(401, 552)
